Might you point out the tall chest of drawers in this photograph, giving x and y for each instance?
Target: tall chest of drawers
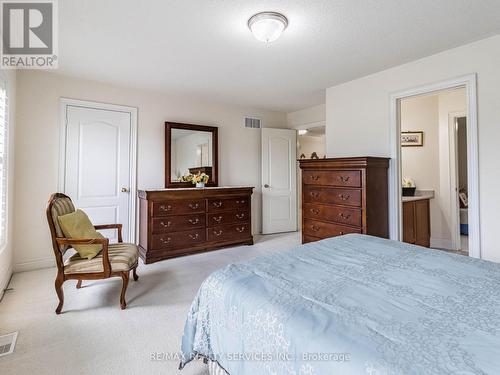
(344, 195)
(177, 222)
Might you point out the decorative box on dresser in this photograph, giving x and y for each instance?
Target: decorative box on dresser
(344, 195)
(182, 221)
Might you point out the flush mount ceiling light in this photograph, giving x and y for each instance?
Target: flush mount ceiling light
(267, 26)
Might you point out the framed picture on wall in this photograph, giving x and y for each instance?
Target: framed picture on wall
(412, 139)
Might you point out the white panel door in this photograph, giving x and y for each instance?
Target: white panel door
(279, 184)
(97, 165)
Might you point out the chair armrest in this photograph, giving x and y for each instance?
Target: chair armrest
(111, 226)
(91, 241)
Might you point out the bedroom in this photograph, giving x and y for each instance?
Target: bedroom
(337, 64)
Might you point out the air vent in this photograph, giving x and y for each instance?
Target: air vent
(7, 343)
(252, 122)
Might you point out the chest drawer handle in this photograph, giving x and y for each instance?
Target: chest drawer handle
(315, 211)
(315, 228)
(166, 208)
(345, 217)
(193, 206)
(218, 233)
(344, 178)
(217, 219)
(195, 221)
(314, 178)
(217, 204)
(165, 225)
(240, 216)
(165, 240)
(193, 236)
(240, 229)
(314, 194)
(241, 202)
(344, 197)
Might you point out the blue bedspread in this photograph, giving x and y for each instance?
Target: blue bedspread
(350, 305)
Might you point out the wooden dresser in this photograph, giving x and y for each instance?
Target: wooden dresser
(344, 195)
(181, 221)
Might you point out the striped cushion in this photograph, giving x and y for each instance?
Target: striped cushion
(61, 206)
(122, 256)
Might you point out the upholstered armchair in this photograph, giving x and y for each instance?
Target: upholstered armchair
(113, 260)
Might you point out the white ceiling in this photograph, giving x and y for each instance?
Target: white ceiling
(204, 48)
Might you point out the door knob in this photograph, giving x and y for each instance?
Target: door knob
(125, 190)
(267, 186)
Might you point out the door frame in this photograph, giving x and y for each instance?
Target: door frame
(64, 103)
(453, 145)
(469, 82)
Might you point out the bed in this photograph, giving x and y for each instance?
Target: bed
(353, 304)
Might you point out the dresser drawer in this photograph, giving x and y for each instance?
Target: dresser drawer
(338, 214)
(183, 239)
(348, 197)
(332, 178)
(224, 204)
(180, 223)
(228, 217)
(178, 207)
(229, 232)
(325, 230)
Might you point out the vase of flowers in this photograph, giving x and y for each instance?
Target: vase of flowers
(408, 187)
(200, 179)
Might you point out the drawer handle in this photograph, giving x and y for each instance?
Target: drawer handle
(165, 208)
(240, 216)
(314, 194)
(217, 204)
(344, 178)
(314, 178)
(344, 197)
(315, 228)
(195, 221)
(217, 219)
(165, 240)
(315, 211)
(193, 206)
(345, 217)
(341, 233)
(193, 236)
(241, 202)
(240, 229)
(218, 233)
(165, 225)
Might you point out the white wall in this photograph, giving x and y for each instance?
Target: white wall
(6, 254)
(308, 144)
(429, 165)
(357, 117)
(306, 116)
(37, 147)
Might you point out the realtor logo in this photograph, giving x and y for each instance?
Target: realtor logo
(29, 34)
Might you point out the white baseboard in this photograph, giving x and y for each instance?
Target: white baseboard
(5, 281)
(34, 264)
(440, 243)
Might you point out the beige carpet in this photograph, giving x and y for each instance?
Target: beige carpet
(93, 336)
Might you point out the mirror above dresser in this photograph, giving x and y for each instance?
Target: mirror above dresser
(189, 150)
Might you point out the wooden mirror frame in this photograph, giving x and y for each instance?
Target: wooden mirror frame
(215, 153)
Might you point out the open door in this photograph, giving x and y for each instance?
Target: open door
(279, 180)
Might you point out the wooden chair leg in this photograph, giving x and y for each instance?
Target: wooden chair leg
(79, 284)
(59, 290)
(136, 277)
(125, 276)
